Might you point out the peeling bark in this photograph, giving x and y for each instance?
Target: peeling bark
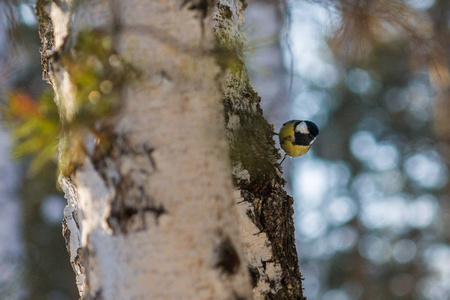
(265, 210)
(151, 213)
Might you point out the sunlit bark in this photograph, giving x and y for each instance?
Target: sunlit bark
(154, 215)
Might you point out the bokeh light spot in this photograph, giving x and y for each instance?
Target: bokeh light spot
(28, 15)
(94, 96)
(311, 182)
(423, 210)
(363, 145)
(420, 4)
(342, 239)
(336, 295)
(359, 81)
(340, 210)
(385, 158)
(390, 212)
(374, 248)
(396, 100)
(404, 251)
(427, 169)
(52, 208)
(312, 224)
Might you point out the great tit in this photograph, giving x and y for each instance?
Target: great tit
(297, 136)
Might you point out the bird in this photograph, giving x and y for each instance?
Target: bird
(297, 136)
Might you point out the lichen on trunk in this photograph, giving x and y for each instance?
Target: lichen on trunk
(146, 162)
(265, 209)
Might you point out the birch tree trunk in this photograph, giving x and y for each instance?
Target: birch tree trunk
(151, 212)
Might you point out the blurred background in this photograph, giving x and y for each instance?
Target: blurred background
(372, 196)
(372, 207)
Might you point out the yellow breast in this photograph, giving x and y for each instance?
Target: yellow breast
(293, 150)
(287, 138)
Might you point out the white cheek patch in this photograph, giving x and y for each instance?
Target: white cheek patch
(302, 128)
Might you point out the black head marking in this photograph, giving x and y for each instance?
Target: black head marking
(306, 139)
(312, 128)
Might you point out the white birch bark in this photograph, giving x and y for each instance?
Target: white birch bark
(155, 217)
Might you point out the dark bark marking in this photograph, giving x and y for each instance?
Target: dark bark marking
(254, 275)
(149, 152)
(98, 295)
(66, 234)
(226, 10)
(228, 259)
(132, 202)
(46, 36)
(127, 213)
(238, 297)
(202, 6)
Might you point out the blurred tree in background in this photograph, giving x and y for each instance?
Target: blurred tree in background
(43, 270)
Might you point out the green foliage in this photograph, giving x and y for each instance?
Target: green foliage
(35, 128)
(98, 75)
